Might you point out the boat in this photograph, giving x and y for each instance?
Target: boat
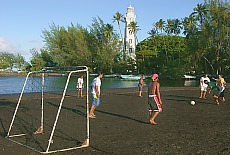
(189, 77)
(111, 76)
(190, 83)
(130, 77)
(93, 74)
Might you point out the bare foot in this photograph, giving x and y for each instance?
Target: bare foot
(153, 122)
(91, 116)
(39, 131)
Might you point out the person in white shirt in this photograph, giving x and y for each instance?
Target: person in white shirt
(80, 86)
(204, 86)
(96, 94)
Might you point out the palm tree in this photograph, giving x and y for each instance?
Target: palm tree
(161, 25)
(152, 32)
(134, 28)
(169, 27)
(108, 37)
(108, 31)
(118, 17)
(169, 31)
(155, 25)
(190, 25)
(200, 12)
(177, 26)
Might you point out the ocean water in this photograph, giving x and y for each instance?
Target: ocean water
(14, 84)
(11, 84)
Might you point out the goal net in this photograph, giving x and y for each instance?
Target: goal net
(50, 116)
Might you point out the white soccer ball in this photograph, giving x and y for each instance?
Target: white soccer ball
(193, 102)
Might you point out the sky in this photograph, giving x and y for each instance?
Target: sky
(22, 21)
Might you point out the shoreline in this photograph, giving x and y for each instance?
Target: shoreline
(130, 89)
(13, 74)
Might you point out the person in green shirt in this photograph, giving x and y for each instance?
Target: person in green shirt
(215, 91)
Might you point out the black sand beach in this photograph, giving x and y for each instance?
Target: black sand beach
(122, 125)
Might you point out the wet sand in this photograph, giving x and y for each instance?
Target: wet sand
(122, 124)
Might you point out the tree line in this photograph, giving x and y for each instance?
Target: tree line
(193, 45)
(204, 48)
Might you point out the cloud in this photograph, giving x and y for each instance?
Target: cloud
(5, 46)
(20, 47)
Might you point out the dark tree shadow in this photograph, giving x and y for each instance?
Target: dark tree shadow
(4, 133)
(118, 115)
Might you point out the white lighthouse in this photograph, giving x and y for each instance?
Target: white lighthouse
(130, 37)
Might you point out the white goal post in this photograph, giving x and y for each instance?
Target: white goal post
(49, 116)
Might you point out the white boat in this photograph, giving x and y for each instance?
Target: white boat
(130, 77)
(189, 83)
(189, 77)
(111, 75)
(93, 74)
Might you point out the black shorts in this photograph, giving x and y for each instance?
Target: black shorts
(222, 94)
(154, 104)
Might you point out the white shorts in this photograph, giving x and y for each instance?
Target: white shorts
(204, 88)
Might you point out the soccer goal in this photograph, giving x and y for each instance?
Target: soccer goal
(49, 115)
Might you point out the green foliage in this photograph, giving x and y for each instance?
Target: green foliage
(107, 46)
(204, 48)
(211, 39)
(162, 54)
(6, 60)
(76, 46)
(67, 47)
(19, 60)
(9, 60)
(37, 62)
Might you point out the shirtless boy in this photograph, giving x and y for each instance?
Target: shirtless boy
(154, 98)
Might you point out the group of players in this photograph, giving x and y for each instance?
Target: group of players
(154, 97)
(217, 88)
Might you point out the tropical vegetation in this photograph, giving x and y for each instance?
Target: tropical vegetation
(193, 45)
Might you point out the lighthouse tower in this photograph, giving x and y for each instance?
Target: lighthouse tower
(130, 37)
